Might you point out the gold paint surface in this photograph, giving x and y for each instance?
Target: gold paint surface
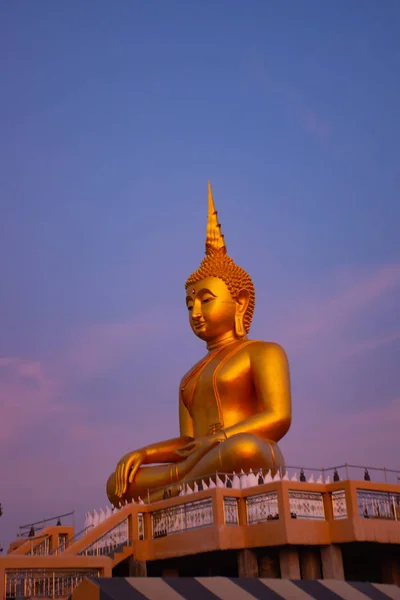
(234, 404)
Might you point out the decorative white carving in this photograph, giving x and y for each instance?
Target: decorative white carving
(96, 518)
(251, 479)
(140, 518)
(339, 505)
(231, 511)
(182, 517)
(306, 505)
(235, 481)
(262, 507)
(220, 483)
(374, 504)
(268, 478)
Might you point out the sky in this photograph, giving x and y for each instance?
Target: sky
(113, 116)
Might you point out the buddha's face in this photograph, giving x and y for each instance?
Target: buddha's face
(211, 309)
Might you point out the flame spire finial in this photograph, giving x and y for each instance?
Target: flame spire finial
(215, 243)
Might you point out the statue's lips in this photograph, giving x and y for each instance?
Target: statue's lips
(198, 325)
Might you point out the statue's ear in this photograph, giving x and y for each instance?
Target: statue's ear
(242, 302)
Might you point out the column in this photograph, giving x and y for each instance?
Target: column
(137, 568)
(390, 569)
(247, 563)
(289, 563)
(310, 562)
(268, 567)
(332, 562)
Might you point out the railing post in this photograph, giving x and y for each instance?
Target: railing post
(347, 471)
(384, 474)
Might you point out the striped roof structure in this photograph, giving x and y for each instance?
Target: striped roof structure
(225, 588)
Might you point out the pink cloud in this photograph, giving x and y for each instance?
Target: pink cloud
(309, 119)
(32, 391)
(316, 318)
(99, 347)
(368, 437)
(27, 393)
(367, 345)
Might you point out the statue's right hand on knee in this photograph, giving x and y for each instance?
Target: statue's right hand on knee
(126, 470)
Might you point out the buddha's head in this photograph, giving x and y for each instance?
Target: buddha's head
(220, 295)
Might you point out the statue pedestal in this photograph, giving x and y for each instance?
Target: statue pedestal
(279, 529)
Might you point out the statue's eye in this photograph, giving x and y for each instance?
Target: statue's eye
(205, 300)
(189, 307)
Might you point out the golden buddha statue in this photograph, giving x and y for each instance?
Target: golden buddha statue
(234, 404)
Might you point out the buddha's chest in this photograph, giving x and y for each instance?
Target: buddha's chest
(219, 392)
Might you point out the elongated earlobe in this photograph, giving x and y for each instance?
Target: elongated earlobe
(239, 328)
(242, 302)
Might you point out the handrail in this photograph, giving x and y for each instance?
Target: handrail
(47, 520)
(25, 534)
(36, 537)
(212, 476)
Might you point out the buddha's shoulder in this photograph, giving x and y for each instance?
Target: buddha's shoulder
(266, 350)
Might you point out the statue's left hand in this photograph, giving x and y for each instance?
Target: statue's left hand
(126, 470)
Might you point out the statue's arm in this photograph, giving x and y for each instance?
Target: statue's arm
(270, 371)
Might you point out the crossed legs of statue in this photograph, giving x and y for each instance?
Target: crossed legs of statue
(242, 451)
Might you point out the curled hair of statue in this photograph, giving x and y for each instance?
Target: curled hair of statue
(217, 263)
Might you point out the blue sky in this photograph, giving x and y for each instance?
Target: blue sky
(112, 118)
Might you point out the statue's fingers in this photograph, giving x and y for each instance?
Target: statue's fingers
(120, 480)
(125, 475)
(134, 470)
(117, 481)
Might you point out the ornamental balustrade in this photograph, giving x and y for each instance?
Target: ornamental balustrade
(306, 505)
(111, 541)
(303, 504)
(378, 505)
(231, 511)
(262, 507)
(182, 517)
(339, 504)
(44, 583)
(140, 524)
(40, 549)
